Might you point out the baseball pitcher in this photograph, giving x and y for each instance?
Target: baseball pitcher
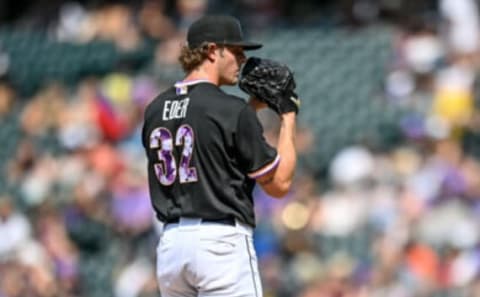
(206, 151)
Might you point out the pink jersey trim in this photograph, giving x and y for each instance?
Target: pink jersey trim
(266, 169)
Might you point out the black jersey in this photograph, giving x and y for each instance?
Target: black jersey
(205, 148)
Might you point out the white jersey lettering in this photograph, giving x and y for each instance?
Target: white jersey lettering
(175, 109)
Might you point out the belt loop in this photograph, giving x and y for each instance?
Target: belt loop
(243, 228)
(189, 221)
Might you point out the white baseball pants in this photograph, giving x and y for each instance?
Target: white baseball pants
(196, 259)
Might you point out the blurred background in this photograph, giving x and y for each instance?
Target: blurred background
(386, 197)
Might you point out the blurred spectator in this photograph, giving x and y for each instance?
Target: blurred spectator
(131, 209)
(154, 21)
(42, 114)
(78, 127)
(64, 257)
(74, 23)
(453, 96)
(462, 25)
(136, 280)
(189, 11)
(14, 227)
(22, 162)
(7, 98)
(115, 22)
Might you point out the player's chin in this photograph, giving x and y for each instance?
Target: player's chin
(233, 81)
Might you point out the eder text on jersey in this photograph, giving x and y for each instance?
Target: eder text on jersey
(175, 109)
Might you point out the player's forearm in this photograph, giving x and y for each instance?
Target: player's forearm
(286, 149)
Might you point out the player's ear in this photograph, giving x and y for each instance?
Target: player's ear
(212, 51)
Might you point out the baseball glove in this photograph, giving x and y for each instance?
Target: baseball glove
(270, 82)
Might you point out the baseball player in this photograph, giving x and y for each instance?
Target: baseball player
(205, 152)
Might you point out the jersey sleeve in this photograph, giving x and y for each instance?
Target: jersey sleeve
(256, 155)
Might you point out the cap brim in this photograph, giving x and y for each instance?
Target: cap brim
(246, 45)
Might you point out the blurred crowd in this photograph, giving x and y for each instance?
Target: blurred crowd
(75, 215)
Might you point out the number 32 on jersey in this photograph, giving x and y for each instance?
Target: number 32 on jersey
(167, 169)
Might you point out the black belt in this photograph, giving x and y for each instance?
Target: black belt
(226, 221)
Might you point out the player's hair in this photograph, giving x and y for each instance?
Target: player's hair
(190, 59)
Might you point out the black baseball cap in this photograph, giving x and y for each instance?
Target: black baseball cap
(220, 29)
